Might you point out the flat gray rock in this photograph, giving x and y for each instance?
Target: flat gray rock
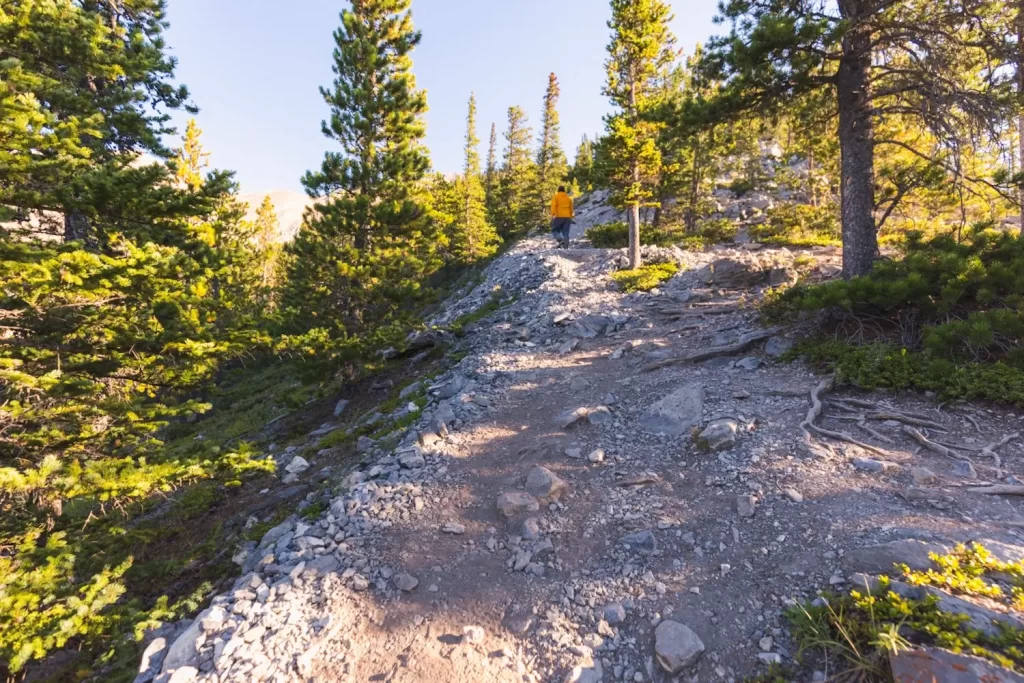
(879, 559)
(512, 504)
(933, 664)
(720, 435)
(677, 413)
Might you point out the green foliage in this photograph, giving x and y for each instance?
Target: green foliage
(362, 254)
(582, 172)
(799, 225)
(616, 236)
(874, 366)
(552, 167)
(644, 278)
(471, 235)
(862, 630)
(961, 302)
(515, 209)
(708, 232)
(965, 570)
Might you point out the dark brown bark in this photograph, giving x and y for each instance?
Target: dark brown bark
(856, 143)
(1020, 104)
(76, 226)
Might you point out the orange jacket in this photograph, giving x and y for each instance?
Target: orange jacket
(561, 206)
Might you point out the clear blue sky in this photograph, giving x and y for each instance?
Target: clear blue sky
(254, 68)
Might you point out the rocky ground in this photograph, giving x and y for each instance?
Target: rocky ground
(584, 498)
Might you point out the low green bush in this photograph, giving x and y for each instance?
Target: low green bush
(616, 236)
(709, 231)
(799, 225)
(645, 278)
(859, 631)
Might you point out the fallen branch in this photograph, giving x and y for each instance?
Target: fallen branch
(745, 342)
(999, 490)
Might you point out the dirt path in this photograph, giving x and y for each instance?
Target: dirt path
(414, 575)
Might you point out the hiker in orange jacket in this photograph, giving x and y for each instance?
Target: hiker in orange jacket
(562, 213)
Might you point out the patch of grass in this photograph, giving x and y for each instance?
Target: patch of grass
(645, 278)
(861, 630)
(314, 511)
(492, 305)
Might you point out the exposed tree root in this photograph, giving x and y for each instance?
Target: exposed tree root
(990, 450)
(905, 418)
(814, 412)
(973, 422)
(999, 490)
(878, 435)
(745, 342)
(931, 445)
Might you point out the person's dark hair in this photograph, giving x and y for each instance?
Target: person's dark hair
(561, 188)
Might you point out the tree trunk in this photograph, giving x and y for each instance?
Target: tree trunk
(1020, 105)
(635, 260)
(76, 226)
(856, 144)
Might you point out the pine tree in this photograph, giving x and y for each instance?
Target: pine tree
(364, 251)
(473, 237)
(514, 211)
(552, 167)
(640, 53)
(879, 61)
(491, 177)
(583, 168)
(266, 230)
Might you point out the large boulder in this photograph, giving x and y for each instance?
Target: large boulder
(514, 504)
(733, 274)
(933, 664)
(676, 413)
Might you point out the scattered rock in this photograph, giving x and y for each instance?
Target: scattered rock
(183, 652)
(590, 326)
(513, 504)
(676, 646)
(544, 485)
(965, 470)
(614, 613)
(454, 528)
(364, 444)
(641, 541)
(596, 456)
(452, 388)
(473, 635)
(719, 435)
(923, 476)
(412, 461)
(749, 363)
(873, 466)
(794, 495)
(340, 407)
(778, 346)
(406, 582)
(676, 413)
(746, 506)
(733, 274)
(600, 415)
(298, 465)
(571, 418)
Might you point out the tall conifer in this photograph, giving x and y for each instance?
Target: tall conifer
(473, 237)
(363, 251)
(552, 167)
(514, 210)
(491, 176)
(638, 57)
